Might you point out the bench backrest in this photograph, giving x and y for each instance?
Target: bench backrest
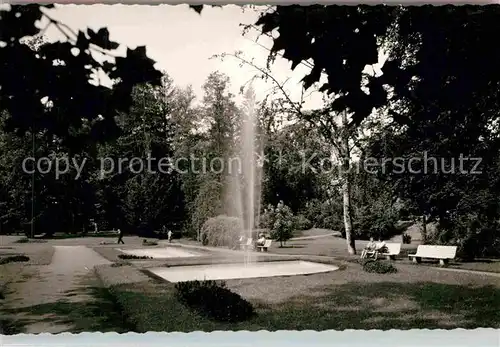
(393, 248)
(438, 252)
(267, 243)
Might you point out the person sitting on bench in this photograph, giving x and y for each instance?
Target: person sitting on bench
(261, 240)
(369, 249)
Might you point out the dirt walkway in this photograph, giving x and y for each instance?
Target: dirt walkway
(42, 301)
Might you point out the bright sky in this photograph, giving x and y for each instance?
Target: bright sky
(182, 42)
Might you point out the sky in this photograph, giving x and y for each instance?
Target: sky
(182, 42)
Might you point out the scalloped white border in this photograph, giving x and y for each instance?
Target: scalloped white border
(353, 338)
(257, 2)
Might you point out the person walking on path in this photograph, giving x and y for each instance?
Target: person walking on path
(120, 236)
(169, 234)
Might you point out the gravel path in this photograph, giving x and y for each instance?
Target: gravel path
(62, 280)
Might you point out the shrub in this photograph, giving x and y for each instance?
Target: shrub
(302, 223)
(214, 300)
(14, 259)
(120, 264)
(406, 239)
(378, 266)
(131, 256)
(221, 231)
(23, 240)
(267, 218)
(474, 235)
(324, 214)
(149, 243)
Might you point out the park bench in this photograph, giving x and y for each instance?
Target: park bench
(248, 244)
(443, 253)
(392, 250)
(265, 246)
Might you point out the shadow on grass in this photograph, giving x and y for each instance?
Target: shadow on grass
(99, 313)
(292, 246)
(387, 306)
(383, 306)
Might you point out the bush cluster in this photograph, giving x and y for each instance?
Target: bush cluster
(214, 300)
(131, 256)
(321, 214)
(23, 240)
(378, 266)
(302, 223)
(14, 259)
(221, 231)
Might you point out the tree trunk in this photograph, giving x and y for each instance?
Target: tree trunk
(346, 197)
(424, 228)
(345, 178)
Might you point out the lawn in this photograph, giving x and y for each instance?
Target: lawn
(415, 297)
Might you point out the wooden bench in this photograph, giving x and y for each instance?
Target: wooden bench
(393, 249)
(265, 246)
(443, 253)
(248, 244)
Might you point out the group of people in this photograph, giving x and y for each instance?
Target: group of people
(372, 248)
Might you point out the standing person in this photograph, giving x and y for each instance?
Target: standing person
(120, 236)
(96, 229)
(169, 236)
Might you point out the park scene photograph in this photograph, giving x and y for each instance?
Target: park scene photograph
(204, 168)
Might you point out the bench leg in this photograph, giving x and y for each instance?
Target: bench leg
(417, 260)
(443, 262)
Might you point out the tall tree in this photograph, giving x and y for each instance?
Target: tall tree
(340, 41)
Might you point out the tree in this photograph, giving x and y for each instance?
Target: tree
(340, 41)
(205, 152)
(282, 228)
(146, 192)
(60, 72)
(429, 69)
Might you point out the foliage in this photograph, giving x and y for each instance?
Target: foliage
(302, 223)
(377, 222)
(286, 176)
(282, 228)
(429, 123)
(324, 214)
(378, 266)
(312, 33)
(268, 217)
(221, 231)
(65, 83)
(14, 259)
(23, 240)
(132, 256)
(214, 300)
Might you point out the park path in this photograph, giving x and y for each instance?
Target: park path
(63, 281)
